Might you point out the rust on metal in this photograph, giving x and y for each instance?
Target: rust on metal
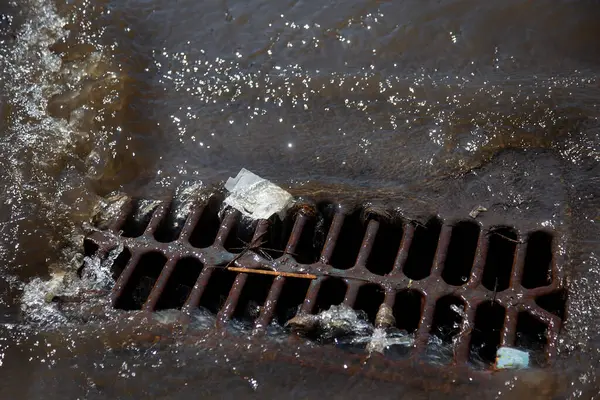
(474, 287)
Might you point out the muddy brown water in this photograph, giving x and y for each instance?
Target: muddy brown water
(433, 107)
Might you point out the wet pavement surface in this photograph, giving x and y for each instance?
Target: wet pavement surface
(427, 107)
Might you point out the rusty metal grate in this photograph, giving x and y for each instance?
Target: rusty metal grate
(508, 285)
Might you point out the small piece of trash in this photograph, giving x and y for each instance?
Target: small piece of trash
(476, 211)
(256, 197)
(509, 358)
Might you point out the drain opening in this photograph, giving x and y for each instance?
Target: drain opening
(180, 284)
(447, 321)
(240, 236)
(308, 248)
(461, 253)
(537, 271)
(252, 299)
(206, 229)
(554, 303)
(485, 338)
(120, 263)
(277, 236)
(385, 249)
(531, 335)
(142, 281)
(499, 260)
(171, 225)
(138, 219)
(422, 250)
(291, 298)
(349, 242)
(407, 310)
(331, 293)
(89, 248)
(447, 318)
(217, 289)
(368, 300)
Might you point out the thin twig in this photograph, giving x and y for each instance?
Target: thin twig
(270, 272)
(505, 237)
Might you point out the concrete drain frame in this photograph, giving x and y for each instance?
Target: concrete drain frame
(472, 288)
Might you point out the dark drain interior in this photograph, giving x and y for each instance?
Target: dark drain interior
(137, 221)
(217, 290)
(408, 308)
(318, 257)
(385, 248)
(331, 293)
(252, 298)
(292, 297)
(142, 281)
(180, 284)
(461, 253)
(207, 227)
(537, 271)
(487, 329)
(422, 250)
(369, 299)
(348, 244)
(500, 258)
(447, 318)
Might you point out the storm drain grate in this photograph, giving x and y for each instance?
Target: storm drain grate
(450, 281)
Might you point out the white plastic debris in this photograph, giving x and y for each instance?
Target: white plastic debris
(509, 358)
(256, 197)
(476, 211)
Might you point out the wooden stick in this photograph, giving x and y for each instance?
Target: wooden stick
(268, 272)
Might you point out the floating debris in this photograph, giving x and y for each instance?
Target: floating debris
(509, 358)
(476, 211)
(255, 197)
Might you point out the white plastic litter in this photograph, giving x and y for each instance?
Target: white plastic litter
(256, 197)
(509, 358)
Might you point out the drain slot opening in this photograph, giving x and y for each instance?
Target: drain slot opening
(180, 284)
(461, 253)
(447, 321)
(217, 290)
(537, 271)
(407, 310)
(142, 281)
(447, 318)
(554, 303)
(385, 249)
(292, 296)
(138, 219)
(368, 300)
(171, 225)
(349, 242)
(331, 293)
(308, 248)
(277, 236)
(485, 339)
(422, 250)
(120, 263)
(531, 335)
(89, 248)
(499, 260)
(240, 236)
(252, 299)
(206, 229)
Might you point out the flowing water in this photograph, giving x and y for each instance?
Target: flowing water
(431, 106)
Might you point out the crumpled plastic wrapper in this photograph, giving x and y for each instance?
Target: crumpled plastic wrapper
(255, 197)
